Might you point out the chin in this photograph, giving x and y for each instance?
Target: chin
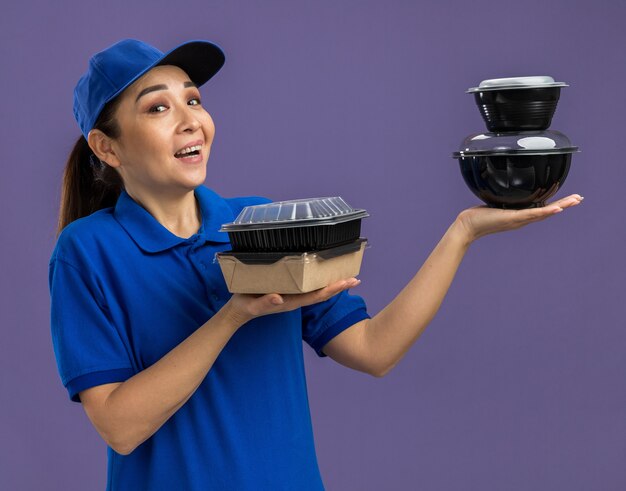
(196, 176)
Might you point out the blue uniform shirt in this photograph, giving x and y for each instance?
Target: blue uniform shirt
(125, 291)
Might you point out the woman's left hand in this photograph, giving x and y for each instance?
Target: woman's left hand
(479, 221)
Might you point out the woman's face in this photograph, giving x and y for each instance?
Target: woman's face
(166, 134)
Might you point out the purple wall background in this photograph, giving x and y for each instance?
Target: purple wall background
(519, 381)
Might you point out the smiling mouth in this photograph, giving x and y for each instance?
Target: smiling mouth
(188, 151)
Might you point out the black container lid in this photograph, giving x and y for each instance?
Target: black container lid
(536, 82)
(516, 143)
(272, 257)
(294, 213)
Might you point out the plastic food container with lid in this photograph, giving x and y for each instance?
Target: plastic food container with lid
(516, 169)
(517, 103)
(295, 226)
(290, 272)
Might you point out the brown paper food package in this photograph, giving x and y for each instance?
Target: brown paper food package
(297, 273)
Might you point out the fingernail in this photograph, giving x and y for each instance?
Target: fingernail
(558, 210)
(278, 301)
(582, 198)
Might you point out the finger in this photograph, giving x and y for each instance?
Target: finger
(265, 304)
(336, 287)
(274, 302)
(322, 294)
(571, 200)
(276, 299)
(268, 298)
(342, 284)
(535, 214)
(560, 205)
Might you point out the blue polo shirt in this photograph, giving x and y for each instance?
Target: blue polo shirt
(125, 291)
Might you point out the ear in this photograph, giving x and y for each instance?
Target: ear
(103, 147)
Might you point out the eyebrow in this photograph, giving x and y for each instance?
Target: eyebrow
(153, 88)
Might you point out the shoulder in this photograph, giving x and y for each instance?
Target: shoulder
(85, 235)
(234, 204)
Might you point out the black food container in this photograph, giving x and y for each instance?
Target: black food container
(295, 226)
(517, 104)
(515, 170)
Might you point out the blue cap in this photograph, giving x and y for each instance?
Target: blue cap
(112, 70)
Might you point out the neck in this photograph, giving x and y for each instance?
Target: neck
(179, 213)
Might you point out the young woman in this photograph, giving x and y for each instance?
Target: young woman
(193, 388)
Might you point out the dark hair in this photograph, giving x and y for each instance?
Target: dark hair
(89, 184)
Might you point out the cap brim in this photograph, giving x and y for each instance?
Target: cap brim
(199, 59)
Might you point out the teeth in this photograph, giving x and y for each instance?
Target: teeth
(187, 150)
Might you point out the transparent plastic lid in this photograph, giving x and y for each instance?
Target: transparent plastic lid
(522, 142)
(295, 213)
(535, 82)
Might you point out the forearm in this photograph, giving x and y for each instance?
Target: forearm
(389, 334)
(137, 408)
(131, 412)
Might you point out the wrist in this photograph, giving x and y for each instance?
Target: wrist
(459, 233)
(233, 316)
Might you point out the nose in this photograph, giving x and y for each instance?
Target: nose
(188, 120)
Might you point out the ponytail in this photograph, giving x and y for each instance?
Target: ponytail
(89, 184)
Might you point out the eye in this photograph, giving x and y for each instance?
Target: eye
(195, 102)
(157, 108)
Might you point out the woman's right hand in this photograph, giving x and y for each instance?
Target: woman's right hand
(245, 307)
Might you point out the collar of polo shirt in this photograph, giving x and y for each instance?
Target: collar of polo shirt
(151, 236)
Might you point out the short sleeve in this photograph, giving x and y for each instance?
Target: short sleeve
(321, 322)
(89, 349)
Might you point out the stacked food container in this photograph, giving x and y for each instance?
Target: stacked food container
(518, 162)
(293, 246)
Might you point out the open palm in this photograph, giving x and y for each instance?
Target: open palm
(482, 220)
